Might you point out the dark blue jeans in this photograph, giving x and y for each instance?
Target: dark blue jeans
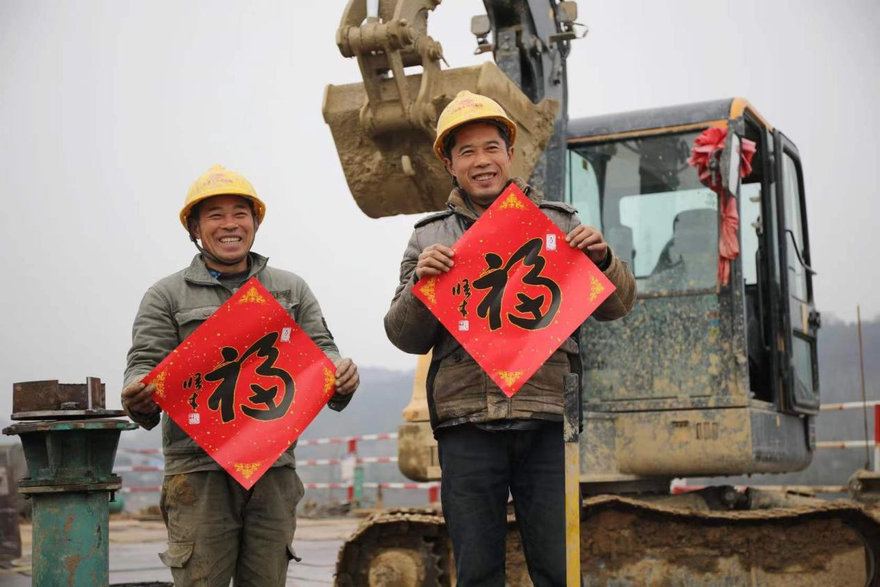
(479, 469)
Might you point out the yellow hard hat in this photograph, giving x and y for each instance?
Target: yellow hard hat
(221, 181)
(469, 107)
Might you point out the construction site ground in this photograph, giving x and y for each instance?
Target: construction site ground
(135, 544)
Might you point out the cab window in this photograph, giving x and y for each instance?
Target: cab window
(652, 208)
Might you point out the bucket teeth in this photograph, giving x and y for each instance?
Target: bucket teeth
(388, 161)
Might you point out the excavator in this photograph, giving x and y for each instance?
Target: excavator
(704, 378)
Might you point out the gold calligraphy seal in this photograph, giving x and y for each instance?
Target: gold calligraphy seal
(329, 380)
(252, 296)
(510, 377)
(428, 290)
(511, 202)
(247, 469)
(159, 382)
(596, 288)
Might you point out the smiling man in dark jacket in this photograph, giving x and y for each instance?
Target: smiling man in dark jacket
(491, 445)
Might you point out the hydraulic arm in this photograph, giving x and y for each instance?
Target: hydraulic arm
(384, 126)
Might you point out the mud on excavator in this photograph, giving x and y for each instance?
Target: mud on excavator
(700, 380)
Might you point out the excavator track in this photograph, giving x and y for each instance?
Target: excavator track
(405, 547)
(633, 542)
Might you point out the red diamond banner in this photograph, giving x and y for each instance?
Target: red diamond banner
(516, 292)
(245, 384)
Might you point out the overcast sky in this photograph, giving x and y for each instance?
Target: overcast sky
(109, 110)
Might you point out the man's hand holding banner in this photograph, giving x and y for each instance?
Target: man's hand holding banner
(516, 292)
(245, 384)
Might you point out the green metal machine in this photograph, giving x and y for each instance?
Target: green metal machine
(70, 442)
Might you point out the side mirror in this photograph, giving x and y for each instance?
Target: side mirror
(730, 163)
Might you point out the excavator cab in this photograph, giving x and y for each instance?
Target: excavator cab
(701, 378)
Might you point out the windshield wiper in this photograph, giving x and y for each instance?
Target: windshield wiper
(797, 252)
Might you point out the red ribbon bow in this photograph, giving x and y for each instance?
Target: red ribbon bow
(705, 156)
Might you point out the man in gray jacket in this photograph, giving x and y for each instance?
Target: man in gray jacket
(492, 446)
(217, 530)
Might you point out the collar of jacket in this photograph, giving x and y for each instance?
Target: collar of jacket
(456, 202)
(197, 272)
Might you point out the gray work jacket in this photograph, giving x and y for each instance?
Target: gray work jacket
(178, 304)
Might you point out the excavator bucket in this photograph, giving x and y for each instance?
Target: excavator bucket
(388, 161)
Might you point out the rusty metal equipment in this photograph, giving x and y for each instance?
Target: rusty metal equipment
(10, 534)
(70, 482)
(865, 486)
(50, 400)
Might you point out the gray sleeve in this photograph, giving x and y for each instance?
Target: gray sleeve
(153, 337)
(311, 320)
(409, 324)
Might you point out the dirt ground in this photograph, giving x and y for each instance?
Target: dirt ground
(135, 544)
